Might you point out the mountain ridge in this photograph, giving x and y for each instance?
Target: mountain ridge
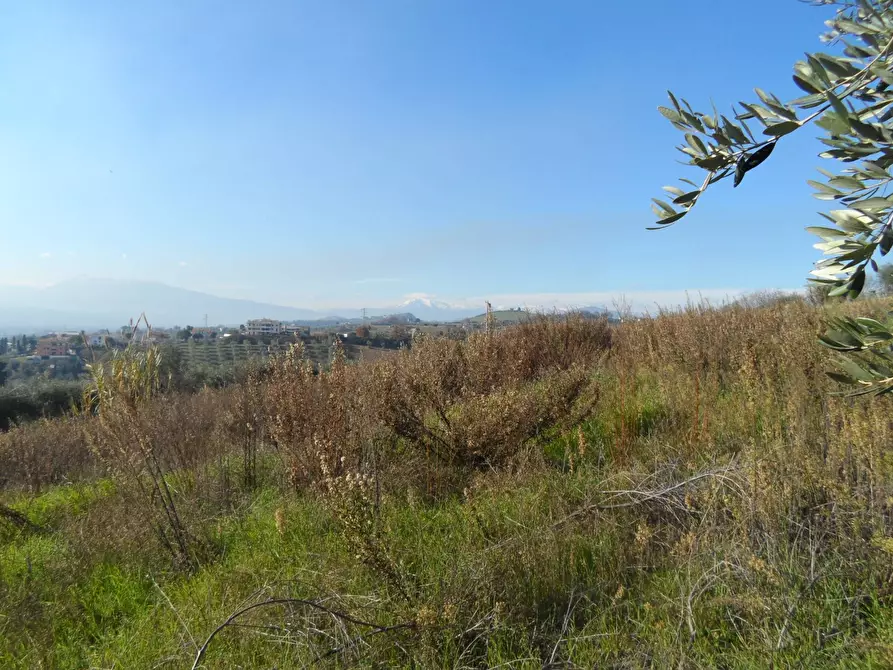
(92, 303)
(88, 303)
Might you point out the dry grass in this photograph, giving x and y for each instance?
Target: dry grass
(681, 491)
(467, 404)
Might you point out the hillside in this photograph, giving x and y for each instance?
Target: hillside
(93, 303)
(521, 315)
(683, 491)
(90, 304)
(502, 316)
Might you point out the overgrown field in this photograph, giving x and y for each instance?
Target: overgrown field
(682, 491)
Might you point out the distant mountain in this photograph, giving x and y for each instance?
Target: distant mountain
(513, 315)
(95, 303)
(428, 309)
(396, 319)
(91, 304)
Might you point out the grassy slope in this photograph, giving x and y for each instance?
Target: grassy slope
(495, 567)
(502, 316)
(538, 563)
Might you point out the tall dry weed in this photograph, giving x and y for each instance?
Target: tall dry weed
(46, 452)
(469, 403)
(123, 398)
(747, 384)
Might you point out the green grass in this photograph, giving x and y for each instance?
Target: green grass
(58, 502)
(603, 544)
(495, 564)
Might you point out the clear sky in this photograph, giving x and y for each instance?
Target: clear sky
(335, 152)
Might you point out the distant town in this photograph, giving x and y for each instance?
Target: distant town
(209, 354)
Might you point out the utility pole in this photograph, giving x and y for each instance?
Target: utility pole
(364, 315)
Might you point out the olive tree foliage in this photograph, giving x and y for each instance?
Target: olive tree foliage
(849, 96)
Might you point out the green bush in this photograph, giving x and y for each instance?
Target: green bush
(49, 399)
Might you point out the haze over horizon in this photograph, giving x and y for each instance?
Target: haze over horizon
(636, 299)
(338, 155)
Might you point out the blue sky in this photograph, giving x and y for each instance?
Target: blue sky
(334, 153)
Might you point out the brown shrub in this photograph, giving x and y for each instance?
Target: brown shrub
(472, 402)
(45, 452)
(305, 408)
(475, 403)
(489, 429)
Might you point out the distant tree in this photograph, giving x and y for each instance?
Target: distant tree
(363, 332)
(77, 341)
(3, 373)
(198, 336)
(184, 334)
(172, 368)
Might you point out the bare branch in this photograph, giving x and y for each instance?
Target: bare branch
(341, 616)
(18, 519)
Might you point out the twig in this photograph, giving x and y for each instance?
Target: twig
(513, 661)
(176, 613)
(645, 496)
(793, 608)
(359, 638)
(567, 617)
(342, 616)
(18, 519)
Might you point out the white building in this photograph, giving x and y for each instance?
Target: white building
(98, 339)
(263, 327)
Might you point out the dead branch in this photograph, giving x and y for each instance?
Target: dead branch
(341, 616)
(18, 519)
(639, 497)
(359, 638)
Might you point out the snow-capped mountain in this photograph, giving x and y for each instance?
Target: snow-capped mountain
(426, 302)
(85, 303)
(430, 309)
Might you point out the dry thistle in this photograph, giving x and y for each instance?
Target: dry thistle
(618, 595)
(644, 533)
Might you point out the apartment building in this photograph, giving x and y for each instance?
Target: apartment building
(263, 327)
(52, 347)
